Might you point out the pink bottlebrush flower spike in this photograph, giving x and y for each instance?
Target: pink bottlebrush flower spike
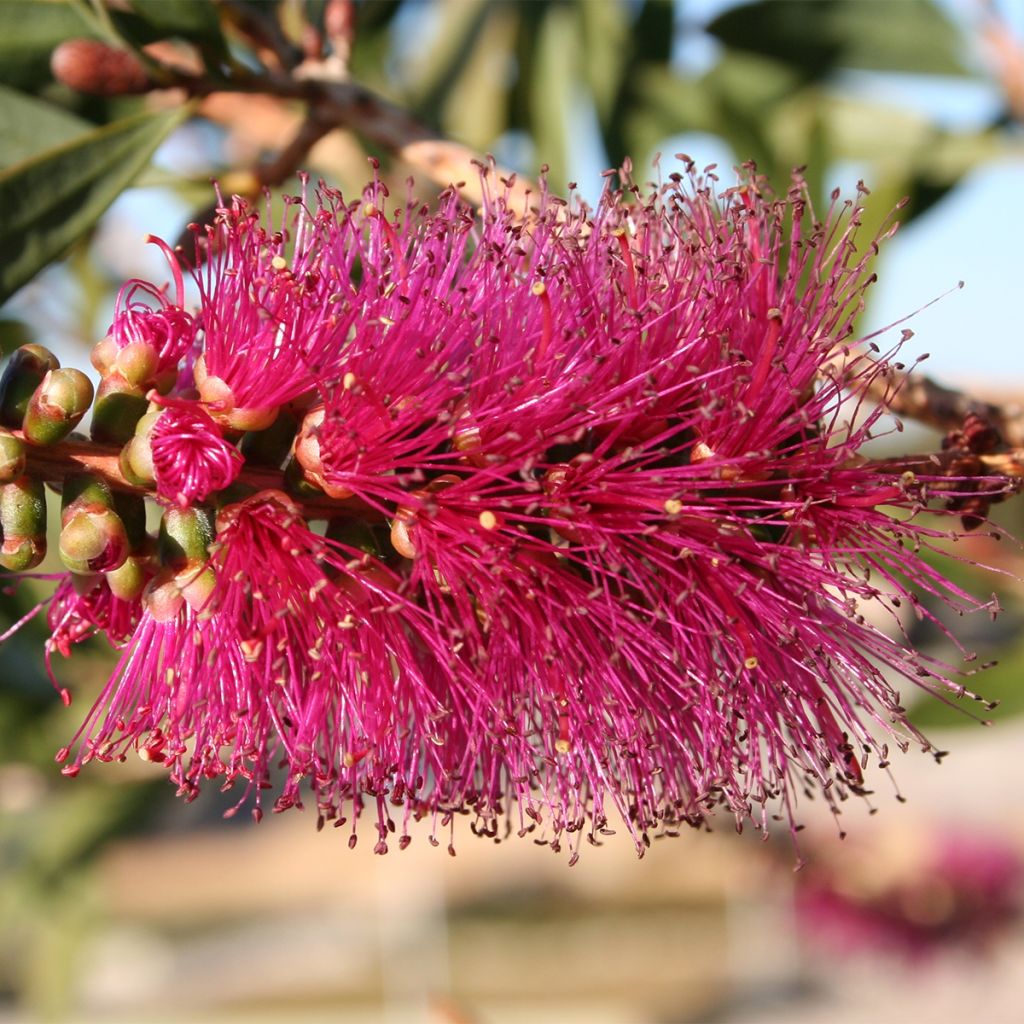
(597, 537)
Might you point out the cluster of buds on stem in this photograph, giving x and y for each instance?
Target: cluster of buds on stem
(542, 519)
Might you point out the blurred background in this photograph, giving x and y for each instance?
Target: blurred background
(119, 903)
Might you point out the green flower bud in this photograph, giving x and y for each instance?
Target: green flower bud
(136, 462)
(129, 580)
(82, 490)
(22, 524)
(270, 447)
(185, 536)
(93, 540)
(132, 510)
(137, 455)
(118, 408)
(57, 405)
(12, 457)
(25, 371)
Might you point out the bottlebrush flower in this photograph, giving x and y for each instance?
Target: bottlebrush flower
(954, 892)
(598, 537)
(191, 458)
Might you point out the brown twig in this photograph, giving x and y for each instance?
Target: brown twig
(346, 104)
(53, 463)
(917, 396)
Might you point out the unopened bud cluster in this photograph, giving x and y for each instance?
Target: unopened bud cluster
(103, 537)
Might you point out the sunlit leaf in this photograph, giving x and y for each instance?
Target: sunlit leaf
(551, 93)
(603, 31)
(54, 198)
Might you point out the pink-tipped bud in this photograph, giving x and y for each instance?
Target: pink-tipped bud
(196, 586)
(307, 454)
(104, 355)
(162, 597)
(137, 362)
(171, 590)
(57, 406)
(93, 540)
(94, 67)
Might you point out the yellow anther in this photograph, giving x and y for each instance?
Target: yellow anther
(673, 506)
(701, 452)
(251, 649)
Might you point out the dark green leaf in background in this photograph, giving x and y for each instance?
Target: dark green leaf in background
(820, 35)
(29, 126)
(196, 21)
(29, 32)
(54, 198)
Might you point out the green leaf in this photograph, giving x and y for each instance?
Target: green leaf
(820, 35)
(551, 93)
(432, 73)
(53, 199)
(29, 126)
(193, 20)
(604, 32)
(29, 32)
(13, 334)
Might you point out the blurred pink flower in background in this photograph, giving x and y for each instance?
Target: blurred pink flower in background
(942, 891)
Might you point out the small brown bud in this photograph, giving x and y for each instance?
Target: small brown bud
(96, 68)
